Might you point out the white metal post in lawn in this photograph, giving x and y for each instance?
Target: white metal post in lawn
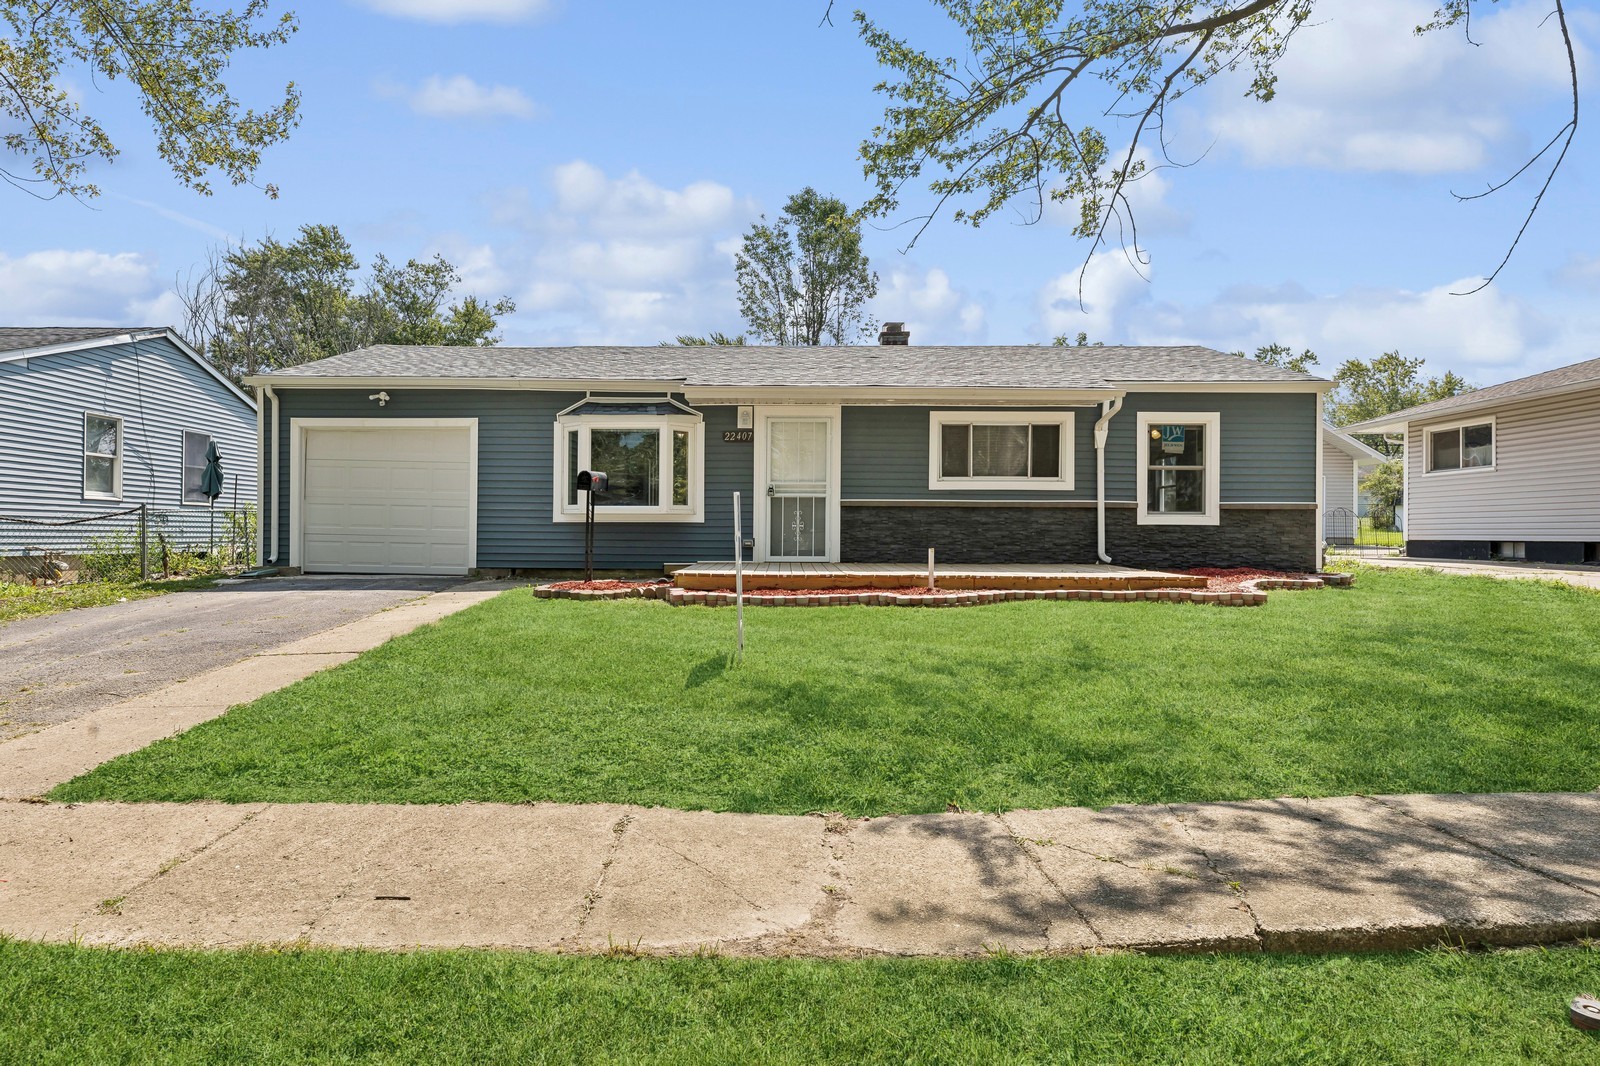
(738, 573)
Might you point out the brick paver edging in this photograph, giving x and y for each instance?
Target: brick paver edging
(1253, 595)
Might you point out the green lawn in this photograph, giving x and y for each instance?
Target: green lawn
(83, 1005)
(1410, 681)
(23, 601)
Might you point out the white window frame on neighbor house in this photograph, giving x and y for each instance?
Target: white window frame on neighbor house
(569, 506)
(1459, 430)
(1211, 421)
(184, 467)
(116, 458)
(1062, 420)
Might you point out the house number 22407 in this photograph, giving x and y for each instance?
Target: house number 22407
(739, 436)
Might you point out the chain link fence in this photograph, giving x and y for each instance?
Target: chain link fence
(132, 544)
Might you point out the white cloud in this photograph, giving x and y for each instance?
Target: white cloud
(63, 287)
(1109, 287)
(1580, 272)
(458, 96)
(934, 309)
(603, 259)
(462, 10)
(1358, 90)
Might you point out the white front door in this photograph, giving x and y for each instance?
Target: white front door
(797, 517)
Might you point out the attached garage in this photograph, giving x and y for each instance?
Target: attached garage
(384, 496)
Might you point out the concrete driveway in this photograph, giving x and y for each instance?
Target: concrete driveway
(59, 667)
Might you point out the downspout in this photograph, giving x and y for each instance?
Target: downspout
(261, 477)
(272, 398)
(1102, 430)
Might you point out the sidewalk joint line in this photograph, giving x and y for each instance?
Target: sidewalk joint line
(1033, 860)
(1236, 886)
(1487, 849)
(194, 853)
(592, 897)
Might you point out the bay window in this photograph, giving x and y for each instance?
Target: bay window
(652, 453)
(1179, 471)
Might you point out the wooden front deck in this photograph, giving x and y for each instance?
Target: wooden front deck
(719, 575)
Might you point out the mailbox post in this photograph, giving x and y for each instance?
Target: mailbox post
(590, 482)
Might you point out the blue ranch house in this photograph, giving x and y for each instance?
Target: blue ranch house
(447, 460)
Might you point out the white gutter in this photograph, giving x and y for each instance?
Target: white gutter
(272, 398)
(1102, 430)
(261, 479)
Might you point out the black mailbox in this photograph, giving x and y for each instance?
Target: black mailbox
(592, 481)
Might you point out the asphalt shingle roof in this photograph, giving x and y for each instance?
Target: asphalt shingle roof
(885, 366)
(1577, 374)
(17, 338)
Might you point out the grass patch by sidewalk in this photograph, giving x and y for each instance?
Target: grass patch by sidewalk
(61, 1004)
(25, 601)
(1411, 681)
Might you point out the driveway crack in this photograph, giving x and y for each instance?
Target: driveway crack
(591, 897)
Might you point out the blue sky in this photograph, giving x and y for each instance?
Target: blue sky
(598, 162)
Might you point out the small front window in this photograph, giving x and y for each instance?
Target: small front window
(194, 466)
(1179, 468)
(1028, 450)
(1461, 448)
(102, 457)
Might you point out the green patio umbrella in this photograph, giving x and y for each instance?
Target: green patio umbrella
(211, 482)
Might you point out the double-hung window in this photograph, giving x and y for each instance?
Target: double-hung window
(1000, 450)
(1468, 447)
(194, 466)
(1179, 468)
(651, 451)
(102, 457)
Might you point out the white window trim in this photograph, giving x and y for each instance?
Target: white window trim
(183, 443)
(85, 453)
(937, 420)
(1494, 447)
(1212, 421)
(694, 424)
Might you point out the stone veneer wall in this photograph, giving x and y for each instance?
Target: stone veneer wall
(1272, 538)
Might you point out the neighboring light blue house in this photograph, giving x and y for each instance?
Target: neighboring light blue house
(448, 460)
(94, 420)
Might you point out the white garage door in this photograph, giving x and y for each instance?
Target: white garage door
(393, 500)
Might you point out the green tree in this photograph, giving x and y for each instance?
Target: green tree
(1018, 114)
(172, 54)
(1281, 355)
(1381, 386)
(714, 338)
(270, 305)
(1384, 485)
(1061, 340)
(806, 277)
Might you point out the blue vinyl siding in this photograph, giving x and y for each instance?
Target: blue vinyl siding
(1269, 446)
(157, 391)
(516, 469)
(885, 457)
(1269, 443)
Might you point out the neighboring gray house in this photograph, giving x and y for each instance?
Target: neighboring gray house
(1345, 461)
(94, 420)
(446, 460)
(1510, 471)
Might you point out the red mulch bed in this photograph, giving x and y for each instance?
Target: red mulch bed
(604, 586)
(1232, 580)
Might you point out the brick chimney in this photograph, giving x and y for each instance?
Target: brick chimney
(894, 333)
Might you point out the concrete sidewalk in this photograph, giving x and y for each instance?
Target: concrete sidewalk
(1273, 875)
(33, 764)
(1584, 577)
